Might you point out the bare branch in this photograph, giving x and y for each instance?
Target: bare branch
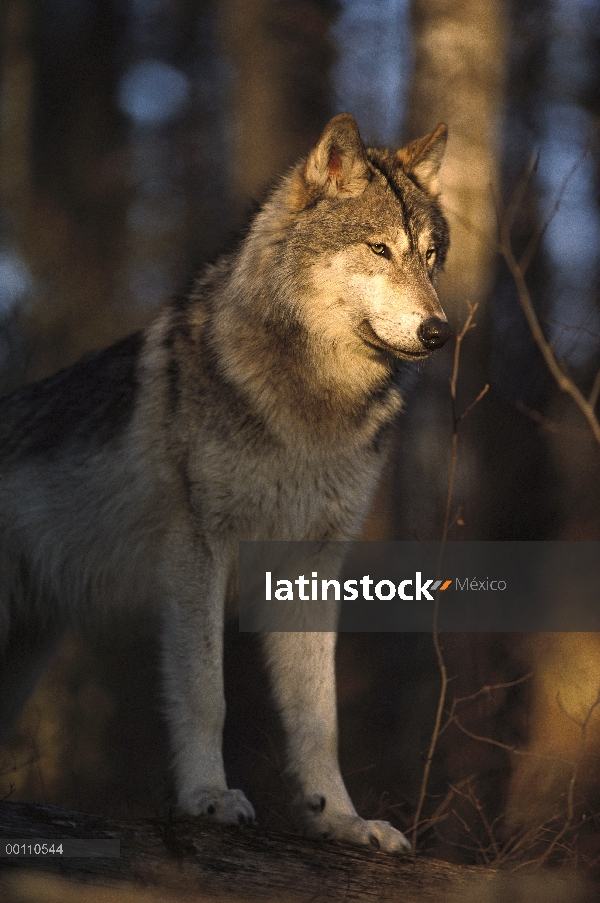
(506, 746)
(476, 401)
(571, 327)
(468, 325)
(487, 689)
(544, 422)
(593, 397)
(563, 380)
(438, 720)
(518, 269)
(536, 238)
(514, 205)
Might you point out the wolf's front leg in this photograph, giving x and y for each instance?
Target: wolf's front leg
(195, 701)
(302, 672)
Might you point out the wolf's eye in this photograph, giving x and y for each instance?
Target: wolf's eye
(380, 249)
(430, 256)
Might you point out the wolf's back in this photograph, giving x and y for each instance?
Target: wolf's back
(73, 411)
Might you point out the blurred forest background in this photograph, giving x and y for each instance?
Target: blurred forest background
(133, 136)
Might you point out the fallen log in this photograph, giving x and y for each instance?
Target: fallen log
(179, 860)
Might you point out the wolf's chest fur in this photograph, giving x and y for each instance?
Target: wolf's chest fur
(284, 494)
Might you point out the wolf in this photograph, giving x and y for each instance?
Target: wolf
(257, 406)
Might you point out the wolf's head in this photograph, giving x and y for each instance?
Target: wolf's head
(334, 281)
(370, 234)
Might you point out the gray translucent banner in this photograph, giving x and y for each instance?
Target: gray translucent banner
(393, 586)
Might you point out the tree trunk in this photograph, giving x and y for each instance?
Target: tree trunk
(459, 79)
(281, 56)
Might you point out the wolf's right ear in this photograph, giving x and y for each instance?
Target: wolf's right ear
(336, 167)
(421, 159)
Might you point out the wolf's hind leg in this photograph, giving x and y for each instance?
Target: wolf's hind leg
(303, 679)
(23, 658)
(195, 700)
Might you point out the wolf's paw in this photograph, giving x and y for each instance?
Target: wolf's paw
(226, 807)
(380, 835)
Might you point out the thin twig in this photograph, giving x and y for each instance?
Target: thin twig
(550, 426)
(514, 204)
(517, 270)
(438, 720)
(456, 419)
(468, 324)
(486, 690)
(593, 396)
(564, 382)
(476, 401)
(572, 327)
(534, 241)
(515, 750)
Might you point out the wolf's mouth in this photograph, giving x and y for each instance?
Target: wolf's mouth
(368, 335)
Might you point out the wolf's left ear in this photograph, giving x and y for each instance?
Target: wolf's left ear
(421, 159)
(337, 166)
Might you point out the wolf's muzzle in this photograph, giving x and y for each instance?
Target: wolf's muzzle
(433, 333)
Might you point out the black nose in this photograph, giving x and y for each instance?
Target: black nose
(434, 332)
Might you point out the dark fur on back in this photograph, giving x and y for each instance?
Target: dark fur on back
(75, 410)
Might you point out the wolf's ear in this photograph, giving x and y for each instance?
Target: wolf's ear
(421, 159)
(336, 167)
